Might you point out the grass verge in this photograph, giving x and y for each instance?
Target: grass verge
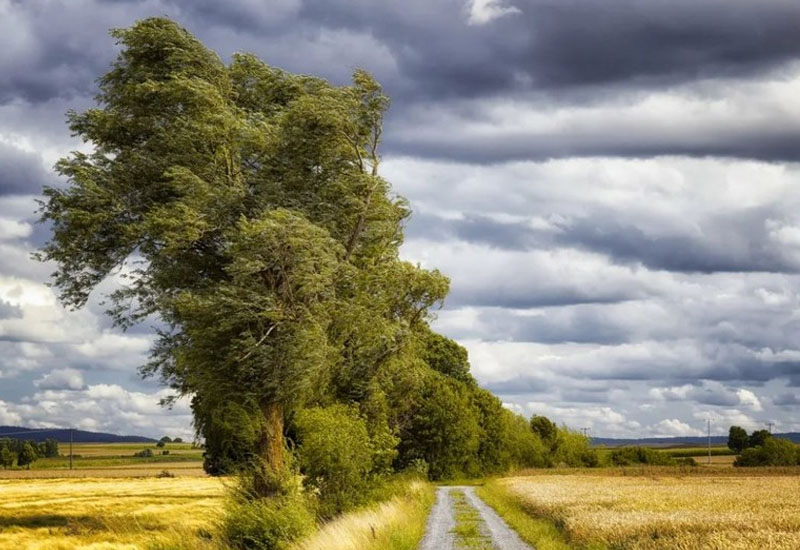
(541, 533)
(397, 523)
(468, 532)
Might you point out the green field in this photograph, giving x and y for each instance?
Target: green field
(116, 458)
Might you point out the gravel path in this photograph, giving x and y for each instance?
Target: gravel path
(503, 537)
(441, 522)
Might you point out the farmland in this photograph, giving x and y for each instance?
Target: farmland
(115, 460)
(113, 514)
(660, 510)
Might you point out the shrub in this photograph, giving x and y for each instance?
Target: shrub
(572, 449)
(758, 438)
(266, 523)
(144, 453)
(628, 456)
(774, 452)
(335, 455)
(165, 473)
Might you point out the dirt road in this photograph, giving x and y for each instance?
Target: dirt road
(445, 523)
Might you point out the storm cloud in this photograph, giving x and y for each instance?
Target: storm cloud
(612, 187)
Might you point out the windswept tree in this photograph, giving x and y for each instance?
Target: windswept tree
(241, 207)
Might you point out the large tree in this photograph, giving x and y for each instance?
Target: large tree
(241, 207)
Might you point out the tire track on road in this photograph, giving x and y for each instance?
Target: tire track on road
(442, 521)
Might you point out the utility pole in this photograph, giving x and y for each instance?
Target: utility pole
(70, 448)
(709, 442)
(585, 432)
(770, 425)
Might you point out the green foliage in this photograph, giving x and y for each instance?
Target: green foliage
(443, 431)
(773, 452)
(630, 456)
(161, 443)
(758, 438)
(230, 431)
(48, 448)
(26, 455)
(335, 456)
(247, 205)
(253, 523)
(6, 456)
(505, 438)
(525, 448)
(573, 449)
(545, 429)
(446, 356)
(737, 439)
(144, 453)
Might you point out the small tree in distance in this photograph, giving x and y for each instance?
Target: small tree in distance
(26, 455)
(737, 439)
(758, 438)
(6, 457)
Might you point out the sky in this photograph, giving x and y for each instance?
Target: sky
(613, 188)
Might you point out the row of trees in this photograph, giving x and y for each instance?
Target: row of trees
(25, 453)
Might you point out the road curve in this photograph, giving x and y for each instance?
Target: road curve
(441, 522)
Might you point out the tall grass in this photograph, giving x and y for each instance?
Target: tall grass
(394, 524)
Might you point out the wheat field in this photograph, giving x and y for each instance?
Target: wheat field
(659, 512)
(108, 514)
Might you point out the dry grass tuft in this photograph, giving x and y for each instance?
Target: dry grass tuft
(397, 524)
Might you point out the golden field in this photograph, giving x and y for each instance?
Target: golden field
(108, 514)
(662, 512)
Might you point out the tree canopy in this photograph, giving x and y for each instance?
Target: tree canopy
(241, 207)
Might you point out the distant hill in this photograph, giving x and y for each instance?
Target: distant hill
(62, 435)
(676, 441)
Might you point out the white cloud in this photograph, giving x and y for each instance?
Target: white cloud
(672, 427)
(61, 379)
(484, 11)
(9, 417)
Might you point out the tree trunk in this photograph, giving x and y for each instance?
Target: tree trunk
(270, 472)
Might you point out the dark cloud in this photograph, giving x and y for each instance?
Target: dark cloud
(732, 242)
(21, 172)
(787, 400)
(9, 311)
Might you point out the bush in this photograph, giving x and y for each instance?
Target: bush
(628, 456)
(335, 455)
(144, 453)
(573, 449)
(266, 523)
(165, 473)
(773, 452)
